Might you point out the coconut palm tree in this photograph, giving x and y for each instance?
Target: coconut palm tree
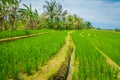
(55, 12)
(60, 15)
(50, 10)
(64, 13)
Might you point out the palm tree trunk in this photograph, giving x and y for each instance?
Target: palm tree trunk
(5, 23)
(12, 21)
(51, 23)
(6, 27)
(0, 28)
(12, 25)
(1, 25)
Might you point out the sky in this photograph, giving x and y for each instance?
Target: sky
(101, 13)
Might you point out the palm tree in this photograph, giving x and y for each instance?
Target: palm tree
(4, 11)
(69, 22)
(29, 16)
(50, 9)
(87, 24)
(36, 19)
(14, 5)
(8, 13)
(80, 23)
(44, 21)
(77, 22)
(64, 13)
(74, 22)
(1, 17)
(55, 13)
(60, 14)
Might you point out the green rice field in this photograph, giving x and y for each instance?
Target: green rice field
(93, 49)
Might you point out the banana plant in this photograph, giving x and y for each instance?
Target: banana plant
(14, 5)
(29, 16)
(8, 13)
(3, 13)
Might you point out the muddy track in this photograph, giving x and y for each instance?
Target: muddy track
(66, 70)
(20, 37)
(59, 67)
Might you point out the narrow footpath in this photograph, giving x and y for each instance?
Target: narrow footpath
(20, 37)
(59, 67)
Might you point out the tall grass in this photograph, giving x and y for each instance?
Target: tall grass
(25, 55)
(108, 42)
(91, 64)
(7, 34)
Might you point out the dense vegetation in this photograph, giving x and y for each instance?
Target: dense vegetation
(117, 29)
(17, 59)
(12, 17)
(108, 42)
(27, 55)
(34, 51)
(7, 34)
(90, 63)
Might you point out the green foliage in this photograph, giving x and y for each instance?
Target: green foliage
(7, 34)
(108, 42)
(98, 28)
(8, 10)
(31, 17)
(74, 22)
(54, 17)
(88, 25)
(117, 29)
(91, 64)
(25, 55)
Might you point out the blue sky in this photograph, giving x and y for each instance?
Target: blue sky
(101, 13)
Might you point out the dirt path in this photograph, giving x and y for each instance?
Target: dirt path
(54, 64)
(110, 62)
(72, 60)
(20, 37)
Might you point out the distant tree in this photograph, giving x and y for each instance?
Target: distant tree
(50, 9)
(44, 21)
(98, 28)
(14, 4)
(4, 11)
(117, 29)
(87, 24)
(31, 18)
(53, 17)
(69, 22)
(60, 15)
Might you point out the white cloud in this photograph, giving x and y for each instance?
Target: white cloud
(96, 11)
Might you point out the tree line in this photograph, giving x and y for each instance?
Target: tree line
(12, 17)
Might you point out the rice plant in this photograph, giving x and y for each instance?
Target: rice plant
(26, 55)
